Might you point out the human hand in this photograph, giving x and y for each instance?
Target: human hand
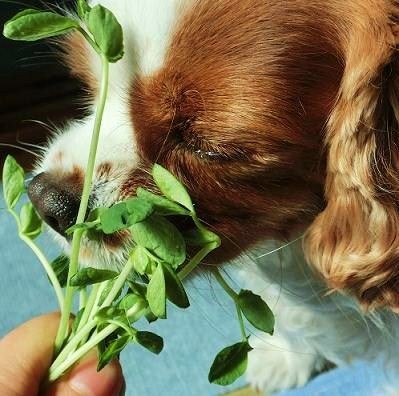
(26, 355)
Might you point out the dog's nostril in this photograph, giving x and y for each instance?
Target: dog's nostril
(56, 202)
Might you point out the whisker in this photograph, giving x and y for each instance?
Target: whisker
(19, 148)
(35, 146)
(48, 55)
(17, 3)
(49, 126)
(29, 65)
(53, 7)
(281, 247)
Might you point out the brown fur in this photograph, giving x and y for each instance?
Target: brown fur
(354, 243)
(298, 99)
(76, 55)
(246, 97)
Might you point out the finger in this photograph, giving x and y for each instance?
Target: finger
(25, 356)
(84, 380)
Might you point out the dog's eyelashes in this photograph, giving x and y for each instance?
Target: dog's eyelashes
(187, 138)
(209, 155)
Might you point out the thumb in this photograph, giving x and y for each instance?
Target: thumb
(84, 380)
(26, 354)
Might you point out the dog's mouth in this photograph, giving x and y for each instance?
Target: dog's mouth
(101, 251)
(57, 201)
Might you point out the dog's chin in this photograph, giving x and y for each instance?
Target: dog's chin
(106, 252)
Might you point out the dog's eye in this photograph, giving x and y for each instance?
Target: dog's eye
(189, 140)
(205, 151)
(210, 155)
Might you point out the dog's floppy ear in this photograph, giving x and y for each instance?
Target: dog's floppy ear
(354, 242)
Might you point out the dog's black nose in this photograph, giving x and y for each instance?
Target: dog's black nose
(57, 203)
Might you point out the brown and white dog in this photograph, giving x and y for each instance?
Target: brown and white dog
(281, 117)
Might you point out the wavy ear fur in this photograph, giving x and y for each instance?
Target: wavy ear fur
(354, 242)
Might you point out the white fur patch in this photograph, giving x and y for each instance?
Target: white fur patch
(312, 328)
(148, 26)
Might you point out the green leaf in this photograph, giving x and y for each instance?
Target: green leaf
(174, 288)
(129, 301)
(162, 206)
(171, 187)
(75, 227)
(140, 259)
(115, 316)
(256, 311)
(151, 318)
(113, 350)
(95, 215)
(103, 345)
(156, 293)
(89, 276)
(138, 209)
(92, 222)
(114, 219)
(161, 238)
(32, 25)
(83, 9)
(124, 214)
(61, 266)
(107, 313)
(107, 32)
(229, 364)
(150, 341)
(138, 288)
(28, 11)
(13, 181)
(200, 237)
(31, 223)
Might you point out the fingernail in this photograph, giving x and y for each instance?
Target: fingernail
(86, 381)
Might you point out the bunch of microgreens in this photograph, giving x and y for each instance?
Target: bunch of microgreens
(111, 303)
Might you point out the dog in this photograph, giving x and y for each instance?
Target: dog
(281, 118)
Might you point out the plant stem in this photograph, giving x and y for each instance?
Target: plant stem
(82, 298)
(241, 322)
(57, 371)
(94, 308)
(48, 268)
(197, 222)
(120, 281)
(69, 292)
(90, 40)
(224, 285)
(59, 366)
(234, 296)
(74, 342)
(77, 235)
(43, 260)
(193, 263)
(89, 306)
(100, 291)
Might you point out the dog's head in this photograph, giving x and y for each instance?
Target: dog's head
(279, 118)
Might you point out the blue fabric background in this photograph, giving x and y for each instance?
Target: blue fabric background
(192, 338)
